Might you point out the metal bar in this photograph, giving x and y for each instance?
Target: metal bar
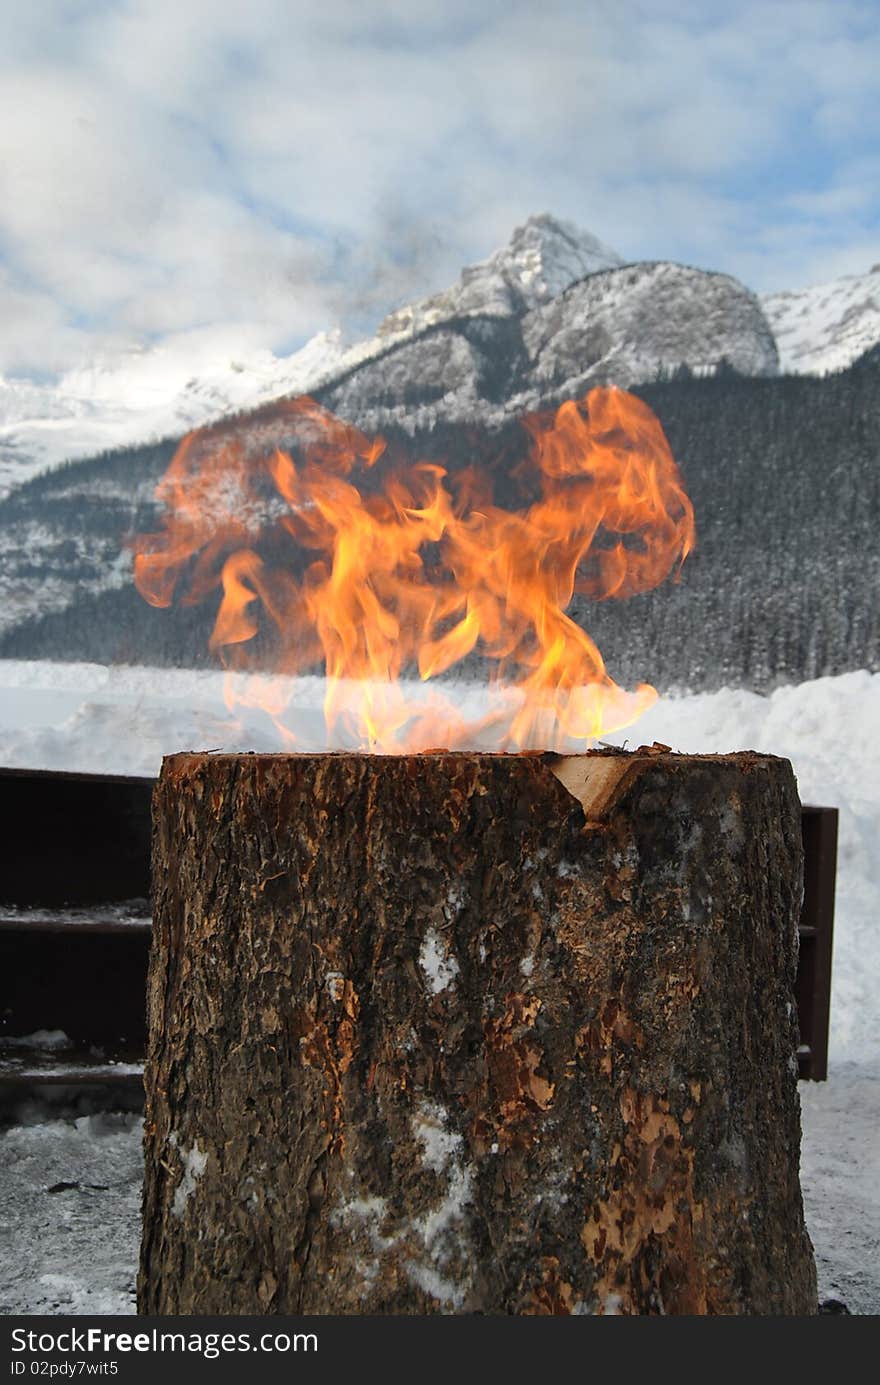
(80, 921)
(819, 832)
(69, 1069)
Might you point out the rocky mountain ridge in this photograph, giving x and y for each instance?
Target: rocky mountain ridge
(550, 314)
(620, 326)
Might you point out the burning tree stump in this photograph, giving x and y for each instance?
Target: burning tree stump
(471, 1033)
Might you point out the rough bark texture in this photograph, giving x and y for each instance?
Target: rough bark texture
(467, 1033)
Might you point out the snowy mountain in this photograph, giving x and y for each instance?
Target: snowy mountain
(147, 394)
(624, 326)
(543, 258)
(553, 310)
(616, 326)
(548, 315)
(828, 326)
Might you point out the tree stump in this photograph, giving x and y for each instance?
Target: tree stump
(468, 1033)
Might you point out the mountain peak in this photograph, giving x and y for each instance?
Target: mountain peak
(546, 255)
(541, 259)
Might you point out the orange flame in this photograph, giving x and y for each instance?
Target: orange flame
(321, 556)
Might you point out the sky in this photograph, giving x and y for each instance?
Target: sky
(263, 170)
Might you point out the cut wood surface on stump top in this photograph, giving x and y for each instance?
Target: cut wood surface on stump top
(464, 1032)
(597, 778)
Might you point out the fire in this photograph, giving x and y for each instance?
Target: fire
(328, 549)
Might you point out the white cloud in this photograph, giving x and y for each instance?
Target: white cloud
(166, 165)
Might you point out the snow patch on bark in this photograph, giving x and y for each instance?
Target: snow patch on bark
(194, 1161)
(368, 1215)
(567, 870)
(439, 967)
(441, 1229)
(446, 1291)
(433, 1249)
(440, 1144)
(456, 898)
(731, 828)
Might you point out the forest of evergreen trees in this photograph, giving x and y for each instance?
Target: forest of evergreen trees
(784, 475)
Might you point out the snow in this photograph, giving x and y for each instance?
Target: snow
(840, 1178)
(440, 1144)
(76, 1251)
(439, 968)
(623, 324)
(439, 1232)
(827, 326)
(98, 1071)
(432, 1246)
(194, 1161)
(45, 1040)
(131, 914)
(160, 391)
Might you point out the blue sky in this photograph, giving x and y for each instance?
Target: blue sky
(270, 168)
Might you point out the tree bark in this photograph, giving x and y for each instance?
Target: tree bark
(466, 1033)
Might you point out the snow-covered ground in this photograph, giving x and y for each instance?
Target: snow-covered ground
(73, 1250)
(70, 1204)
